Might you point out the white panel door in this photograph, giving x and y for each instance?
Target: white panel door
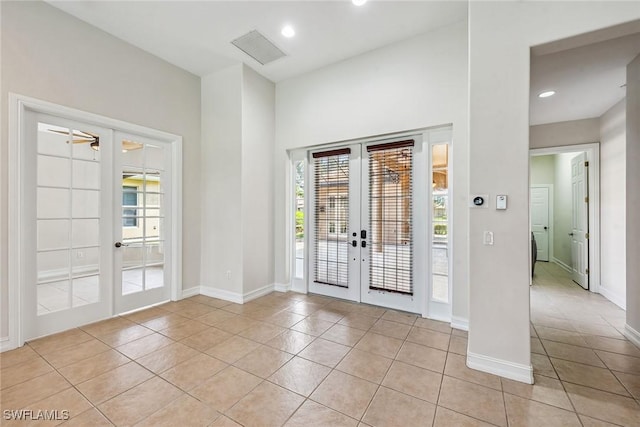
(540, 220)
(65, 225)
(142, 221)
(579, 221)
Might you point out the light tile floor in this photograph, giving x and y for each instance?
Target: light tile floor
(305, 360)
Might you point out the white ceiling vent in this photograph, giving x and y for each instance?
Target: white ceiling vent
(258, 47)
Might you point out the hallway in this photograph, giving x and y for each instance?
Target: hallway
(578, 350)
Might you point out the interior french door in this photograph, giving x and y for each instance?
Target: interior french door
(142, 232)
(363, 229)
(65, 227)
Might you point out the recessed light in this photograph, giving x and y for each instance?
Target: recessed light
(288, 31)
(547, 94)
(358, 2)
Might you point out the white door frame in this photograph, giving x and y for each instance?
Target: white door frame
(593, 156)
(549, 187)
(18, 107)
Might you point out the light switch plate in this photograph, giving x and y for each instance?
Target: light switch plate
(501, 202)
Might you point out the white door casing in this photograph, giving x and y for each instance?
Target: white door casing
(579, 220)
(540, 226)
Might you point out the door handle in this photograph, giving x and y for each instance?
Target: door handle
(570, 234)
(364, 244)
(354, 243)
(120, 244)
(546, 227)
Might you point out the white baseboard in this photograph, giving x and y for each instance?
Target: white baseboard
(617, 299)
(281, 287)
(191, 292)
(562, 264)
(7, 344)
(632, 334)
(221, 294)
(257, 293)
(502, 368)
(299, 288)
(461, 323)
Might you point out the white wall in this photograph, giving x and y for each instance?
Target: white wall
(542, 169)
(237, 181)
(564, 133)
(258, 132)
(562, 207)
(110, 78)
(633, 197)
(413, 84)
(501, 34)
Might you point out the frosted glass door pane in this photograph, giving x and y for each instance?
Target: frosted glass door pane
(53, 234)
(86, 204)
(86, 174)
(86, 232)
(53, 202)
(53, 171)
(85, 261)
(53, 265)
(50, 141)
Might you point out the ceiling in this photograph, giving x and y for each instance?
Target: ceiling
(196, 35)
(585, 71)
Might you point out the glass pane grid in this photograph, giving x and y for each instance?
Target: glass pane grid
(439, 215)
(390, 220)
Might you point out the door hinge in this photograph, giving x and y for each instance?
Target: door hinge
(586, 199)
(587, 271)
(586, 235)
(586, 164)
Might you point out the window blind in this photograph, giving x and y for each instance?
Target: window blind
(331, 223)
(390, 216)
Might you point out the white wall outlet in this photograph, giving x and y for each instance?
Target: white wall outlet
(501, 202)
(488, 238)
(479, 201)
(228, 274)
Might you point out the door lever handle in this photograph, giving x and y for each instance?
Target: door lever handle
(120, 244)
(354, 243)
(570, 234)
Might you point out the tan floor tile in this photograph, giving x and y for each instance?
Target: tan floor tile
(379, 344)
(216, 316)
(559, 335)
(113, 382)
(474, 400)
(391, 408)
(225, 422)
(631, 382)
(458, 345)
(267, 405)
(459, 333)
(365, 365)
(414, 381)
(345, 393)
(92, 418)
(305, 308)
(211, 302)
(532, 331)
(59, 341)
(233, 349)
(598, 330)
(284, 319)
(604, 406)
(592, 422)
(18, 356)
(315, 327)
(552, 322)
(226, 388)
(195, 310)
(184, 330)
(194, 371)
(528, 413)
(589, 376)
(108, 326)
(69, 400)
(344, 335)
(612, 345)
(262, 332)
(203, 341)
(391, 329)
(314, 414)
(329, 314)
(124, 336)
(92, 367)
(572, 353)
(237, 324)
(34, 390)
(448, 418)
(263, 361)
(300, 375)
(435, 325)
(400, 317)
(546, 390)
(358, 321)
(167, 357)
(291, 341)
(368, 310)
(423, 357)
(16, 374)
(429, 338)
(139, 402)
(146, 314)
(165, 321)
(184, 411)
(144, 346)
(536, 346)
(76, 353)
(456, 366)
(542, 365)
(325, 352)
(620, 362)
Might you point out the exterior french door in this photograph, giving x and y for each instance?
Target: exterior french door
(363, 229)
